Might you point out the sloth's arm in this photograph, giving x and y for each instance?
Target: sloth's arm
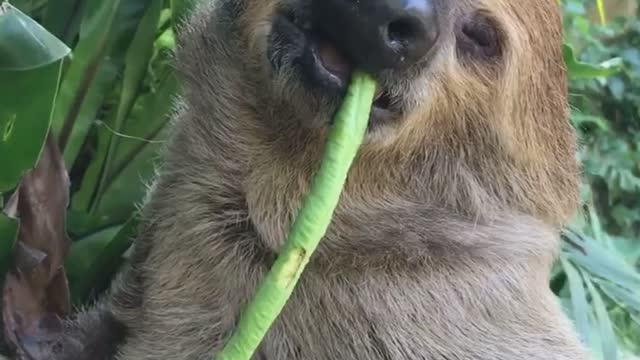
(94, 335)
(91, 334)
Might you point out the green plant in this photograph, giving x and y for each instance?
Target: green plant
(109, 117)
(598, 278)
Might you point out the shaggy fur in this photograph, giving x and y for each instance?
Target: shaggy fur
(441, 247)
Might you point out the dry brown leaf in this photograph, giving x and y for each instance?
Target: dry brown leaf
(36, 293)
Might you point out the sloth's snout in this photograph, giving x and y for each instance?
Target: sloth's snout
(378, 35)
(324, 41)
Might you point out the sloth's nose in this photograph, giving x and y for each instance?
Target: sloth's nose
(378, 35)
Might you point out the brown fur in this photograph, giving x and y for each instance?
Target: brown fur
(442, 244)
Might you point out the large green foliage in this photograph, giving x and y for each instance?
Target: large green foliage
(114, 93)
(118, 81)
(600, 283)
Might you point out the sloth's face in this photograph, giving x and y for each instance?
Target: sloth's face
(473, 91)
(313, 46)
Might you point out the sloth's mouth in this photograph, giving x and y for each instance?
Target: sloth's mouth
(336, 68)
(322, 66)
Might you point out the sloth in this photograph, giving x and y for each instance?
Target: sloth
(442, 244)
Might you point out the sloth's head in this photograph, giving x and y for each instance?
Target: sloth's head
(471, 101)
(435, 60)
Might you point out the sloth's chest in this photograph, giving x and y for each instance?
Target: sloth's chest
(402, 323)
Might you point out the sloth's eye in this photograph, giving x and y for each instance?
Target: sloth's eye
(479, 36)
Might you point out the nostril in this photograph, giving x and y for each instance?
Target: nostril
(377, 35)
(409, 38)
(403, 31)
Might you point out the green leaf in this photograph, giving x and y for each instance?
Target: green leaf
(607, 335)
(25, 115)
(31, 61)
(25, 44)
(626, 298)
(106, 32)
(86, 81)
(578, 299)
(601, 261)
(137, 62)
(181, 8)
(94, 260)
(579, 119)
(28, 6)
(63, 18)
(581, 70)
(84, 251)
(134, 160)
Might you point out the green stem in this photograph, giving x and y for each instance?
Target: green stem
(311, 224)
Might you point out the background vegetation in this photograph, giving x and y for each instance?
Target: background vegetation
(107, 104)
